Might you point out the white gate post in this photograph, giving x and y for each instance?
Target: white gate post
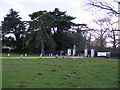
(68, 52)
(74, 52)
(85, 52)
(92, 52)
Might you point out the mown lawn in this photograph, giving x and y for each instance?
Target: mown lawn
(60, 73)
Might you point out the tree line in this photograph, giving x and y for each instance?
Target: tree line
(45, 31)
(51, 30)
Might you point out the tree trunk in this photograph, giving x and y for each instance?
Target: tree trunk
(18, 43)
(42, 47)
(114, 42)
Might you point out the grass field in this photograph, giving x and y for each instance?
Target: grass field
(60, 73)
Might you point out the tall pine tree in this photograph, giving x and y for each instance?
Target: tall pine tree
(12, 24)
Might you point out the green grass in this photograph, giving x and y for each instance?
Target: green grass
(60, 73)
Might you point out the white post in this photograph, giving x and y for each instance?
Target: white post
(85, 52)
(92, 52)
(8, 54)
(21, 55)
(56, 56)
(74, 52)
(41, 55)
(25, 54)
(69, 52)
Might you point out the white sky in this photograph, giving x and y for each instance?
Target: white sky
(73, 7)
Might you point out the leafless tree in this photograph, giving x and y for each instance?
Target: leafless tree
(107, 31)
(110, 8)
(113, 35)
(101, 33)
(106, 5)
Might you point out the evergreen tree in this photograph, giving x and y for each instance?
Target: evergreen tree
(61, 25)
(41, 25)
(12, 24)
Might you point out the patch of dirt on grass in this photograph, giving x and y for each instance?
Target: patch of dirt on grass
(64, 78)
(114, 68)
(10, 64)
(73, 85)
(32, 79)
(39, 73)
(73, 72)
(77, 67)
(57, 66)
(36, 77)
(45, 64)
(47, 83)
(22, 84)
(61, 84)
(77, 77)
(53, 70)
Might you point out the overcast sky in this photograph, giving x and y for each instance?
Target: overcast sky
(73, 7)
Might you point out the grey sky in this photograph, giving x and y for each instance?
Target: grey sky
(73, 7)
(25, 7)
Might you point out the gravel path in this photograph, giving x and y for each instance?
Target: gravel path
(40, 57)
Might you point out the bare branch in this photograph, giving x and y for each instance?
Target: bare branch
(103, 6)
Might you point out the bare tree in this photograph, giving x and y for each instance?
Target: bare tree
(103, 5)
(114, 41)
(108, 31)
(101, 34)
(112, 31)
(109, 8)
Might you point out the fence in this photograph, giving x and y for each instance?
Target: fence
(115, 54)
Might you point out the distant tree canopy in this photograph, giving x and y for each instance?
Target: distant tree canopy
(41, 24)
(61, 25)
(51, 31)
(12, 24)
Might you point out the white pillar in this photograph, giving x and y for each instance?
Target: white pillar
(69, 52)
(21, 55)
(25, 54)
(41, 55)
(85, 52)
(92, 52)
(51, 54)
(74, 52)
(8, 54)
